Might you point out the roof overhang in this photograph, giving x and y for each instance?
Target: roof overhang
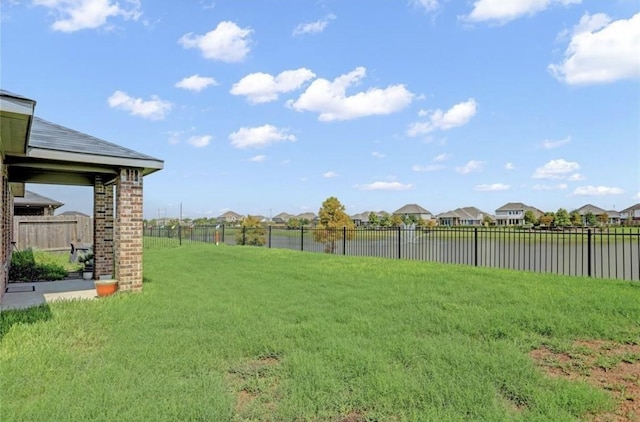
(16, 115)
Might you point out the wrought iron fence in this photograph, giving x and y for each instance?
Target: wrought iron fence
(576, 252)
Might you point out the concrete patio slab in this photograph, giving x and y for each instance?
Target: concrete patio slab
(25, 295)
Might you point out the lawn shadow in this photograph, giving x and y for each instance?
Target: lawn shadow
(11, 317)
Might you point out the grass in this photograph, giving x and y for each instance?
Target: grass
(61, 258)
(239, 333)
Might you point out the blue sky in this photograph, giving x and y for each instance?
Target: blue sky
(268, 106)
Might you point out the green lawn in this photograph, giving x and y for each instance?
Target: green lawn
(239, 333)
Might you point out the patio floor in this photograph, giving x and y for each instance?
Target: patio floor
(25, 295)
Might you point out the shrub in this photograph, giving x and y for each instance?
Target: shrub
(24, 268)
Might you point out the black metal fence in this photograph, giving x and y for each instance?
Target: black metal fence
(605, 253)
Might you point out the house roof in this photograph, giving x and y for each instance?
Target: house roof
(307, 215)
(39, 151)
(32, 199)
(73, 213)
(631, 208)
(51, 136)
(588, 208)
(466, 213)
(230, 214)
(412, 209)
(518, 206)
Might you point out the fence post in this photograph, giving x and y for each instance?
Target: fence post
(344, 240)
(475, 246)
(399, 243)
(589, 252)
(223, 233)
(179, 234)
(269, 237)
(244, 235)
(302, 238)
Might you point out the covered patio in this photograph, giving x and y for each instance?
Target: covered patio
(33, 150)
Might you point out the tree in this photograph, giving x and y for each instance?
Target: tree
(293, 223)
(374, 220)
(562, 218)
(547, 219)
(530, 217)
(252, 232)
(576, 218)
(591, 219)
(603, 218)
(396, 220)
(385, 221)
(332, 220)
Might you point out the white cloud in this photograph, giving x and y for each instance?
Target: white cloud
(550, 144)
(509, 166)
(597, 191)
(458, 115)
(501, 11)
(427, 5)
(442, 157)
(377, 154)
(313, 27)
(470, 167)
(576, 177)
(227, 43)
(560, 186)
(263, 87)
(385, 186)
(256, 137)
(431, 167)
(330, 100)
(196, 83)
(556, 169)
(153, 109)
(330, 174)
(492, 187)
(199, 141)
(636, 196)
(258, 158)
(74, 15)
(601, 51)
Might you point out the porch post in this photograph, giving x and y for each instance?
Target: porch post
(102, 228)
(5, 228)
(128, 230)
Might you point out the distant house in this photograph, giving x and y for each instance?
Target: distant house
(466, 216)
(73, 214)
(281, 218)
(512, 214)
(630, 215)
(34, 204)
(589, 208)
(309, 216)
(414, 210)
(260, 218)
(614, 217)
(362, 219)
(230, 217)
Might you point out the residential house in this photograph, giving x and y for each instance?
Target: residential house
(260, 218)
(282, 218)
(630, 215)
(589, 208)
(614, 217)
(414, 210)
(466, 216)
(512, 214)
(309, 216)
(33, 204)
(230, 217)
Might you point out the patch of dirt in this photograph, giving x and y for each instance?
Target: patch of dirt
(353, 417)
(611, 366)
(255, 385)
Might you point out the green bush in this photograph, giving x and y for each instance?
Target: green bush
(24, 268)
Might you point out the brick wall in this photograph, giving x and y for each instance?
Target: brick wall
(102, 228)
(128, 230)
(6, 219)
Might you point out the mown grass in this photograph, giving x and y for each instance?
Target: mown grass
(59, 258)
(240, 333)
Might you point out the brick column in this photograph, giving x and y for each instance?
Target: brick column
(4, 229)
(128, 229)
(102, 228)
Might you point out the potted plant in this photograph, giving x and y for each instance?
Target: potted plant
(87, 265)
(106, 286)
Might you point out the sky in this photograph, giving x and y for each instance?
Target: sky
(270, 106)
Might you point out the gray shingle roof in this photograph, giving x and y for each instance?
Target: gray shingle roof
(33, 199)
(412, 209)
(5, 93)
(590, 208)
(47, 135)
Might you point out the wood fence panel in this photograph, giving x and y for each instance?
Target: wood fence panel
(52, 233)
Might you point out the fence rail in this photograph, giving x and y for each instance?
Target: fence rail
(579, 252)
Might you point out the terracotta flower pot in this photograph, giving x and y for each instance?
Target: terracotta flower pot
(106, 287)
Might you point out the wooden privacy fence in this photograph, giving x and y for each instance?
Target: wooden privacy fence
(52, 233)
